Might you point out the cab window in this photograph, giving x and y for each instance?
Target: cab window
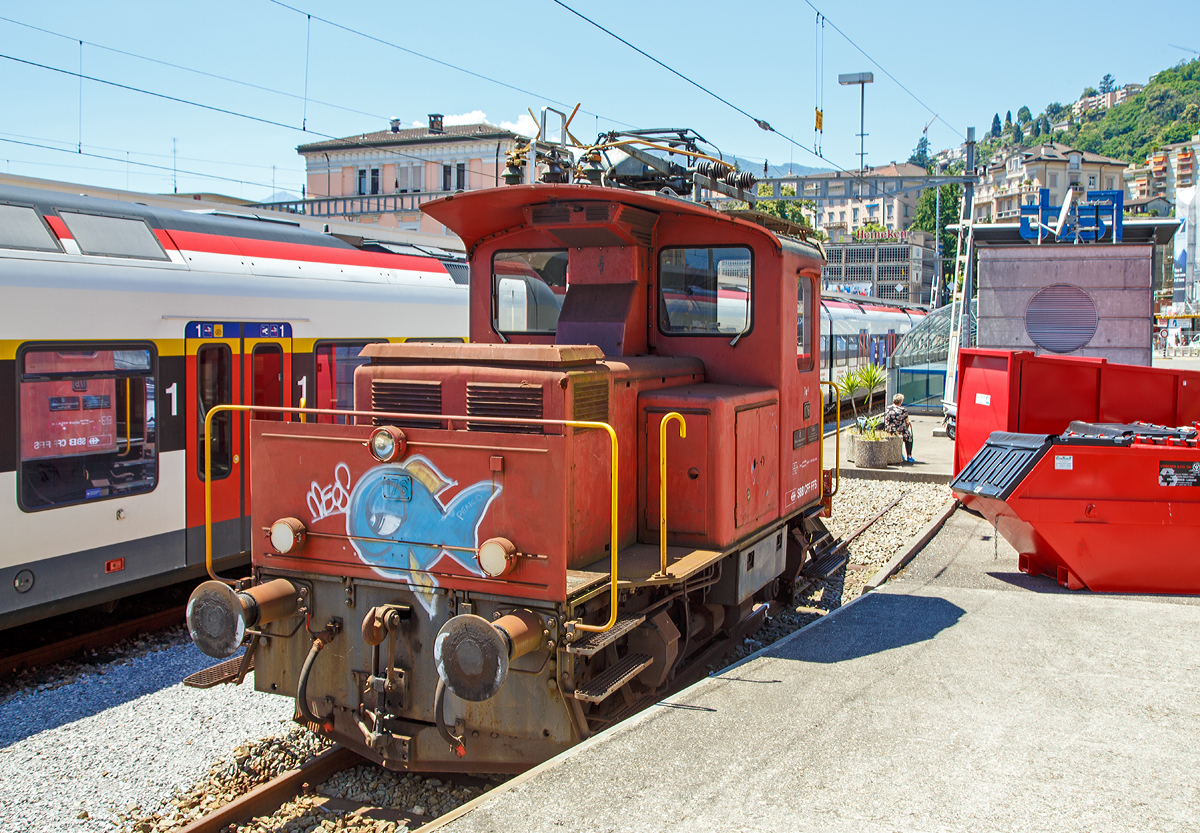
(805, 320)
(705, 291)
(527, 291)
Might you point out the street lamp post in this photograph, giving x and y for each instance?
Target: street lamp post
(862, 79)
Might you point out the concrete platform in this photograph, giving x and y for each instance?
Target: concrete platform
(963, 696)
(934, 456)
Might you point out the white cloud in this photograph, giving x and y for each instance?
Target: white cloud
(524, 125)
(473, 117)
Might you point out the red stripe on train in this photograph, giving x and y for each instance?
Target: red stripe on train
(275, 250)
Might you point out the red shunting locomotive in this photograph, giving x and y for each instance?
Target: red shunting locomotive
(434, 582)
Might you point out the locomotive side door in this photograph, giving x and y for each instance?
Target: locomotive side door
(228, 363)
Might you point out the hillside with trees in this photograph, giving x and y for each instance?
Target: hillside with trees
(1165, 111)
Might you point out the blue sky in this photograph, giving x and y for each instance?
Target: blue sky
(963, 61)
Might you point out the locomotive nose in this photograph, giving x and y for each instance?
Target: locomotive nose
(218, 616)
(472, 654)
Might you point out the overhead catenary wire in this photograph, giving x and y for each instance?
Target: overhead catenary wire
(439, 61)
(342, 141)
(182, 68)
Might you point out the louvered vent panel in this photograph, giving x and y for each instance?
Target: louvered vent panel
(512, 401)
(1061, 318)
(591, 400)
(406, 398)
(545, 215)
(640, 223)
(596, 212)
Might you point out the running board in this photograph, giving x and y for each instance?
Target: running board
(592, 643)
(599, 689)
(828, 554)
(223, 672)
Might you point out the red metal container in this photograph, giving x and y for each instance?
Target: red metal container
(1112, 508)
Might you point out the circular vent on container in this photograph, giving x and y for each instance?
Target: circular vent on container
(1061, 318)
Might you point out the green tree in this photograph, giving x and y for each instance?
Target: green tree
(1107, 83)
(996, 126)
(1037, 128)
(791, 210)
(1088, 92)
(920, 155)
(1054, 111)
(1008, 120)
(1024, 116)
(1017, 134)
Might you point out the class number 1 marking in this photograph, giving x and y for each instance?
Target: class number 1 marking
(171, 392)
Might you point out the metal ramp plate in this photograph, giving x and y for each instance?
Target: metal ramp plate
(222, 672)
(625, 670)
(593, 643)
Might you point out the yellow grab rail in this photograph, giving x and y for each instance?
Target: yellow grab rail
(662, 486)
(572, 423)
(128, 421)
(837, 445)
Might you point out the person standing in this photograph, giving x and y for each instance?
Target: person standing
(896, 421)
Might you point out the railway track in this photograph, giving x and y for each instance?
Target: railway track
(270, 796)
(91, 640)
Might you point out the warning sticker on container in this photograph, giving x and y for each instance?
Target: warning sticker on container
(983, 399)
(1178, 473)
(1064, 461)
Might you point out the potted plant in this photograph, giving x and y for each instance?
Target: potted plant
(848, 386)
(871, 448)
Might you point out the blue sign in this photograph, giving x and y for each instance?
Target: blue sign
(1101, 214)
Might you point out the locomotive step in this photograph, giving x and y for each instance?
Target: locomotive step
(593, 643)
(826, 563)
(628, 667)
(223, 672)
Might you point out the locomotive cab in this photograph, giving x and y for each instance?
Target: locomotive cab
(456, 541)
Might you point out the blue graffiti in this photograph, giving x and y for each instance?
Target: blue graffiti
(399, 524)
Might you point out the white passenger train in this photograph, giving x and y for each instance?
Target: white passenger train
(857, 331)
(120, 326)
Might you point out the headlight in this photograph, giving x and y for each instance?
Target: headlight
(287, 535)
(496, 556)
(387, 443)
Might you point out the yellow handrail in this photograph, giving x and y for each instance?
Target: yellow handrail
(128, 421)
(837, 445)
(662, 486)
(573, 423)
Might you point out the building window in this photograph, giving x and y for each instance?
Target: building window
(374, 180)
(856, 214)
(362, 181)
(1092, 181)
(1053, 180)
(447, 174)
(460, 176)
(906, 210)
(890, 207)
(417, 180)
(843, 216)
(1108, 183)
(87, 424)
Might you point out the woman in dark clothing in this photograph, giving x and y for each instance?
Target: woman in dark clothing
(896, 421)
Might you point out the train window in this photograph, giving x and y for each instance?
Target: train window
(98, 234)
(528, 290)
(841, 348)
(267, 361)
(214, 386)
(22, 228)
(705, 291)
(87, 424)
(336, 363)
(805, 321)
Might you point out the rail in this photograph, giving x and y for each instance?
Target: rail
(302, 412)
(837, 445)
(662, 486)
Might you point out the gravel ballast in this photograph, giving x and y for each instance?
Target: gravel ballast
(120, 740)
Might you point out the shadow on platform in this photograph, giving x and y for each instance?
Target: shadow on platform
(878, 622)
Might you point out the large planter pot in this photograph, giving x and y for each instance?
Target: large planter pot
(895, 449)
(871, 454)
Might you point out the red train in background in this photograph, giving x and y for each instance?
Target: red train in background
(469, 576)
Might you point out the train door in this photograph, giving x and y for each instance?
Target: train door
(228, 363)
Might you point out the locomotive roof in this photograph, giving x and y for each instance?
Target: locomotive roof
(475, 215)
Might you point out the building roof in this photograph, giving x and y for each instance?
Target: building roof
(1058, 152)
(411, 136)
(1146, 201)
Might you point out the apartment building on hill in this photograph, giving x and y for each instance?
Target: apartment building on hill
(1013, 178)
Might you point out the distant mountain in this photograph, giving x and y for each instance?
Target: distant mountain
(774, 171)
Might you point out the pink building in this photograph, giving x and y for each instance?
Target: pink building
(382, 178)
